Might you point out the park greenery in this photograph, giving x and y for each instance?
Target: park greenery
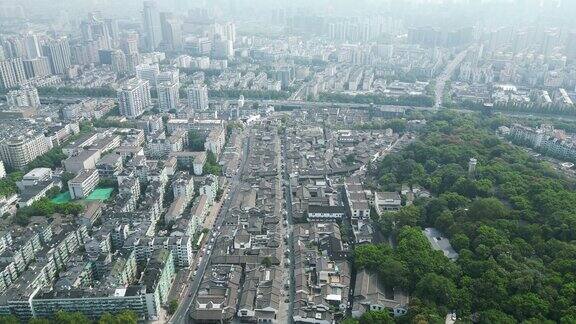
(211, 166)
(51, 159)
(62, 317)
(173, 306)
(377, 99)
(249, 94)
(371, 317)
(196, 141)
(8, 184)
(45, 207)
(512, 221)
(531, 107)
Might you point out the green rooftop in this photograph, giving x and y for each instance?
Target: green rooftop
(100, 194)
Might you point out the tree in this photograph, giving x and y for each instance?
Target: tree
(437, 289)
(376, 317)
(460, 241)
(495, 316)
(127, 317)
(9, 319)
(211, 165)
(408, 216)
(525, 306)
(63, 317)
(487, 208)
(267, 262)
(107, 318)
(8, 184)
(513, 225)
(36, 320)
(195, 141)
(454, 200)
(124, 317)
(173, 306)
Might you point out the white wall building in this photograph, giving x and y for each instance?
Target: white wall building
(27, 97)
(83, 184)
(197, 97)
(168, 96)
(2, 170)
(18, 151)
(148, 72)
(134, 98)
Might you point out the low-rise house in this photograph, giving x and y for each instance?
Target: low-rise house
(218, 295)
(110, 165)
(323, 213)
(371, 295)
(387, 201)
(260, 297)
(85, 160)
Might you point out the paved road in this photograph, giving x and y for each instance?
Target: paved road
(290, 230)
(181, 315)
(446, 75)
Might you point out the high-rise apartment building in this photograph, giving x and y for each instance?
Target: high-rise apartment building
(168, 96)
(171, 75)
(152, 25)
(32, 46)
(2, 170)
(171, 31)
(18, 151)
(134, 98)
(197, 97)
(11, 73)
(36, 67)
(26, 97)
(118, 61)
(130, 43)
(571, 46)
(58, 53)
(148, 72)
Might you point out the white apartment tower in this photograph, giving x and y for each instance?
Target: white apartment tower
(26, 97)
(58, 54)
(11, 73)
(134, 98)
(197, 97)
(18, 151)
(168, 96)
(36, 67)
(152, 25)
(32, 46)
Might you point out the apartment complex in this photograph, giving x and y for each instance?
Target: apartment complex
(18, 151)
(197, 97)
(134, 98)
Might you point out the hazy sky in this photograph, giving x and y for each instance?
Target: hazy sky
(425, 11)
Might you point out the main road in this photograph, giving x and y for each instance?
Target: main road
(289, 218)
(181, 315)
(446, 75)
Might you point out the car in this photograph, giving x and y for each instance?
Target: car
(195, 272)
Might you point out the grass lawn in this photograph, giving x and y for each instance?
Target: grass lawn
(62, 198)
